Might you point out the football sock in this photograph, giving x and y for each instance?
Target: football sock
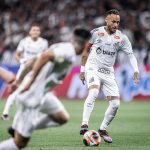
(110, 113)
(8, 145)
(89, 105)
(9, 103)
(45, 121)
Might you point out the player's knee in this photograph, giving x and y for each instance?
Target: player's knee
(115, 103)
(65, 118)
(21, 142)
(93, 93)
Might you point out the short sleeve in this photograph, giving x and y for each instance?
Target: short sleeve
(45, 44)
(63, 52)
(59, 54)
(93, 36)
(126, 45)
(20, 47)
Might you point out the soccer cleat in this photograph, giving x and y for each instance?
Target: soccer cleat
(11, 131)
(83, 129)
(5, 117)
(105, 136)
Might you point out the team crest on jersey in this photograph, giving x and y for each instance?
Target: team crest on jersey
(91, 80)
(100, 34)
(98, 50)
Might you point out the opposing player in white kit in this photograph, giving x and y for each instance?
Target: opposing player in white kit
(48, 70)
(98, 70)
(28, 48)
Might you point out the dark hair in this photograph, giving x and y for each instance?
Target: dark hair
(81, 34)
(34, 24)
(113, 11)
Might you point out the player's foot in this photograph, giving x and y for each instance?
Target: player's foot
(11, 131)
(83, 129)
(105, 136)
(5, 117)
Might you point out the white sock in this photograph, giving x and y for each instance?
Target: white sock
(8, 145)
(9, 103)
(110, 113)
(89, 105)
(45, 121)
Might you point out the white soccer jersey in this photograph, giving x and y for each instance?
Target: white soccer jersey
(50, 74)
(30, 48)
(105, 47)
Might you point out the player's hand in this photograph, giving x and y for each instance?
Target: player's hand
(136, 77)
(13, 86)
(82, 77)
(27, 87)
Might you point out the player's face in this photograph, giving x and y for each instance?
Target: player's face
(112, 22)
(79, 47)
(35, 32)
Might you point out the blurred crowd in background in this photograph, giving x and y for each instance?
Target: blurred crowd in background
(58, 17)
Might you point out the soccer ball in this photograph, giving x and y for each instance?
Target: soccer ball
(91, 138)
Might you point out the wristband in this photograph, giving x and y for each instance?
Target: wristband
(82, 69)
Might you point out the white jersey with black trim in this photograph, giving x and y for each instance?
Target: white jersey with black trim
(30, 48)
(64, 57)
(50, 75)
(105, 47)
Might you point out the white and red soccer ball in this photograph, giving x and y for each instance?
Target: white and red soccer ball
(91, 138)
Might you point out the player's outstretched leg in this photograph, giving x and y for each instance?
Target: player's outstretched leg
(9, 103)
(54, 112)
(109, 116)
(16, 143)
(87, 110)
(51, 120)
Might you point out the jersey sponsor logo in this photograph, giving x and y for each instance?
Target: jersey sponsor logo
(99, 51)
(104, 70)
(100, 34)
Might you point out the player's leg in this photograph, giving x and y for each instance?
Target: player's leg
(23, 129)
(11, 99)
(9, 103)
(54, 113)
(93, 83)
(110, 89)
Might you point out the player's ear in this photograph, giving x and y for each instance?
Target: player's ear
(106, 19)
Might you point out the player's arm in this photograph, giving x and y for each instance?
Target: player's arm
(85, 54)
(7, 75)
(41, 60)
(127, 48)
(19, 51)
(18, 55)
(83, 61)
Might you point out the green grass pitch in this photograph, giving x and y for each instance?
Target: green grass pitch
(130, 130)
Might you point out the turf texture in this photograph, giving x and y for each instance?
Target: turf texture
(130, 130)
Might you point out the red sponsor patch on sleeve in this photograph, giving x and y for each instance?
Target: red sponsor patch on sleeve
(101, 34)
(117, 37)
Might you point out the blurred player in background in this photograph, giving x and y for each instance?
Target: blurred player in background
(98, 70)
(28, 48)
(48, 70)
(6, 75)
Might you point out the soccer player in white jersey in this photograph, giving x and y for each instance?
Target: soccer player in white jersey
(6, 75)
(28, 48)
(97, 70)
(48, 70)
